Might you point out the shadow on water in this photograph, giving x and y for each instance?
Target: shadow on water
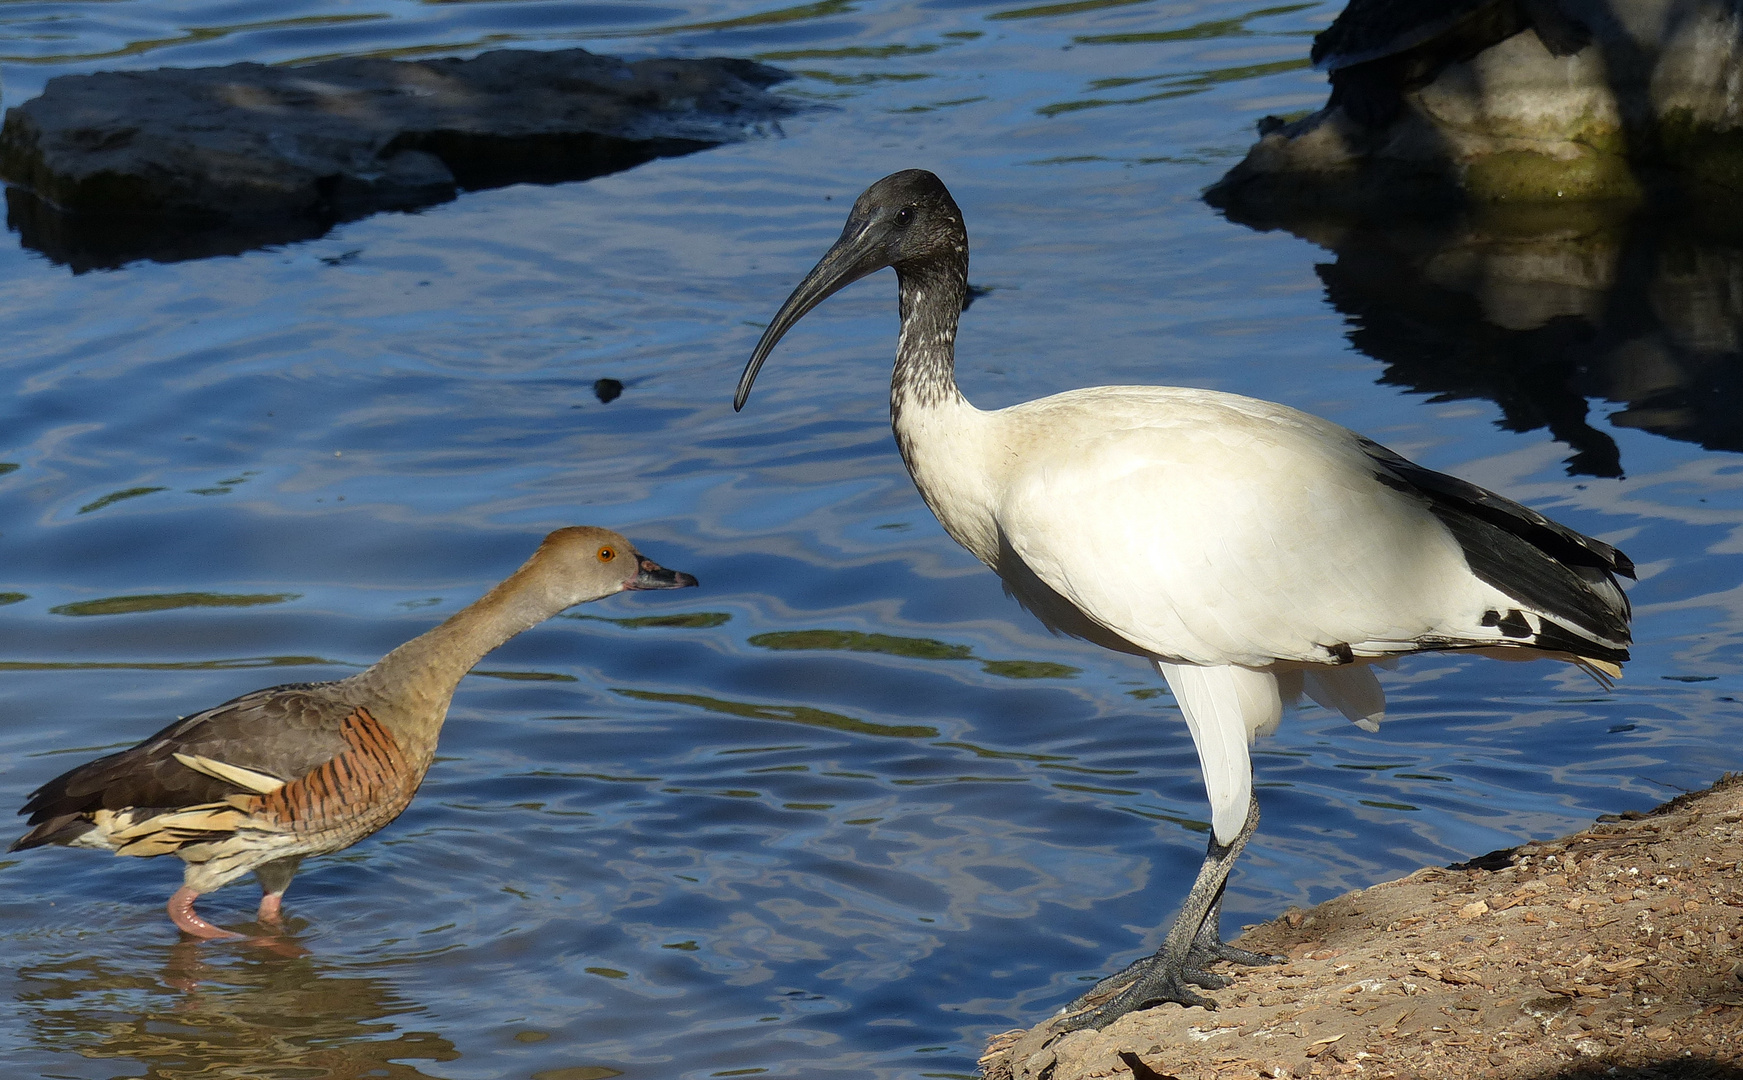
(241, 1013)
(1541, 311)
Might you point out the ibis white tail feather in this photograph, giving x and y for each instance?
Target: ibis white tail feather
(1225, 707)
(1351, 689)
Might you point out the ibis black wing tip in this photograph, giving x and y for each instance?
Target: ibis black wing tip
(1625, 566)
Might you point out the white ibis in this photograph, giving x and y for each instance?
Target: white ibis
(1248, 550)
(264, 781)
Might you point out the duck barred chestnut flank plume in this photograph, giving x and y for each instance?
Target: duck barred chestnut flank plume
(266, 780)
(1250, 551)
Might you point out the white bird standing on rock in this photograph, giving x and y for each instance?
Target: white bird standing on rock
(1248, 550)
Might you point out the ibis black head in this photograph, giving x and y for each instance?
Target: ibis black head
(906, 220)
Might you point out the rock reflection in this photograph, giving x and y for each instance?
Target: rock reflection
(792, 714)
(1541, 311)
(251, 1013)
(909, 648)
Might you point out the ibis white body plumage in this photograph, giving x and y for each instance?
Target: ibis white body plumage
(1251, 551)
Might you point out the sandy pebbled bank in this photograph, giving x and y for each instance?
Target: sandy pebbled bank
(1617, 951)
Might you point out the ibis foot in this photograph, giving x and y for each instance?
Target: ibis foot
(1202, 955)
(1147, 982)
(1192, 945)
(1209, 947)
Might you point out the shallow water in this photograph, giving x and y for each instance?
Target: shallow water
(845, 809)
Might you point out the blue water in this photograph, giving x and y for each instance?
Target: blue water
(708, 846)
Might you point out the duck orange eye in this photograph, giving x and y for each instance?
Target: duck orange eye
(606, 554)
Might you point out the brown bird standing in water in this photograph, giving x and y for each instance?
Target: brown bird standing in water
(262, 782)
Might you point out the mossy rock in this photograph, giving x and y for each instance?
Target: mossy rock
(1521, 175)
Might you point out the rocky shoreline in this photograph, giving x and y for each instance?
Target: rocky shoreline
(1617, 951)
(1645, 108)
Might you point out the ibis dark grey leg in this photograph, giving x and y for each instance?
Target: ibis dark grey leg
(1209, 947)
(1192, 944)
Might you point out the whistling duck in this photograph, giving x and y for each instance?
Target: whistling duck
(1249, 550)
(263, 781)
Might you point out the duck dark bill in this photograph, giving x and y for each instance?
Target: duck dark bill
(655, 576)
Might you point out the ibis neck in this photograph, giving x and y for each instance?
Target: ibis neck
(940, 435)
(925, 375)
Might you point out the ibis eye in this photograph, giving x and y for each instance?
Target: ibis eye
(904, 215)
(606, 554)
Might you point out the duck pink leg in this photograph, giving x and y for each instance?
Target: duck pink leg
(181, 912)
(275, 878)
(270, 904)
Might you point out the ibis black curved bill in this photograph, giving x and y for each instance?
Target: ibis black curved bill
(859, 252)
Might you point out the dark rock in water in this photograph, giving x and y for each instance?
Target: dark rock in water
(607, 390)
(1378, 50)
(1446, 105)
(183, 163)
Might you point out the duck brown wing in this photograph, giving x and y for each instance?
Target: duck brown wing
(283, 732)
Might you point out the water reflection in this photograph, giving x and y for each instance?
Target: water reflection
(127, 605)
(1541, 311)
(139, 47)
(792, 714)
(246, 1012)
(911, 648)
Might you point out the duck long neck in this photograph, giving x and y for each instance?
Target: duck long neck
(414, 682)
(925, 374)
